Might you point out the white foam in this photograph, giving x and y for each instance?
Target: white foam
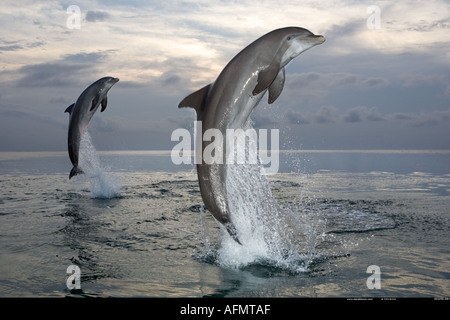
(269, 233)
(103, 184)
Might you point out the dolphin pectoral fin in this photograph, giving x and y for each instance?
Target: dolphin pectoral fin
(70, 108)
(276, 87)
(75, 171)
(266, 77)
(196, 100)
(104, 103)
(95, 102)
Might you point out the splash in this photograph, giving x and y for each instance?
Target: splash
(103, 185)
(271, 235)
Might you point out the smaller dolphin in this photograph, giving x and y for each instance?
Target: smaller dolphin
(81, 113)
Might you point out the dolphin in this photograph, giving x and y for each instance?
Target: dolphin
(228, 102)
(81, 113)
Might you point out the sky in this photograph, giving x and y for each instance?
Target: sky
(380, 81)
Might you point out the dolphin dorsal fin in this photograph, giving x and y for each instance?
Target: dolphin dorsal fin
(276, 87)
(196, 100)
(70, 108)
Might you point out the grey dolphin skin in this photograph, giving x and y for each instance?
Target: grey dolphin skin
(228, 102)
(81, 113)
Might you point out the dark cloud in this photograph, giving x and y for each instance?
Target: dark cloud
(94, 16)
(180, 122)
(360, 113)
(330, 114)
(430, 119)
(49, 75)
(414, 80)
(374, 82)
(169, 78)
(21, 112)
(83, 57)
(343, 80)
(314, 85)
(401, 116)
(353, 115)
(374, 115)
(6, 45)
(35, 44)
(262, 120)
(67, 71)
(425, 26)
(13, 47)
(296, 117)
(60, 101)
(326, 114)
(417, 120)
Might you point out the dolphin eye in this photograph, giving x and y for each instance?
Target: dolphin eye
(289, 38)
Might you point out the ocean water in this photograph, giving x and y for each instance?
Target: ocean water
(135, 226)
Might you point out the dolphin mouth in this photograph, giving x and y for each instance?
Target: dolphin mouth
(114, 80)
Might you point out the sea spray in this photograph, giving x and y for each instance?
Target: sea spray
(103, 185)
(269, 233)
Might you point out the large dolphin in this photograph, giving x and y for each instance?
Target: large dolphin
(228, 102)
(81, 113)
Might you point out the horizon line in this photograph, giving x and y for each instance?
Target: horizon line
(266, 150)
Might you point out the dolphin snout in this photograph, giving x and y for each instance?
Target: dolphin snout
(318, 39)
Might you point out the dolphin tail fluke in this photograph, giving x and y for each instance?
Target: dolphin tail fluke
(75, 171)
(232, 231)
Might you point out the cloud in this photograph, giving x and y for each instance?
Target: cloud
(296, 117)
(430, 119)
(13, 47)
(94, 16)
(263, 120)
(61, 101)
(360, 113)
(353, 115)
(316, 87)
(162, 51)
(417, 120)
(401, 116)
(20, 112)
(414, 80)
(170, 78)
(48, 75)
(374, 115)
(374, 82)
(70, 70)
(326, 114)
